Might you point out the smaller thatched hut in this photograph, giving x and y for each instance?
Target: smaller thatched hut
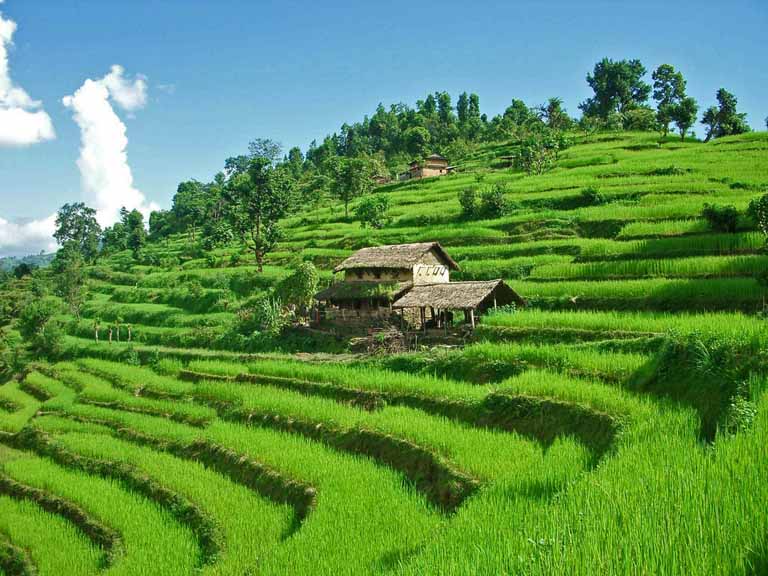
(472, 298)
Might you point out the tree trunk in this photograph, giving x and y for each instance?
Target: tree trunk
(259, 260)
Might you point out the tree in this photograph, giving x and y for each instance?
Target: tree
(353, 178)
(162, 223)
(539, 151)
(22, 270)
(684, 115)
(189, 205)
(114, 238)
(418, 141)
(668, 91)
(554, 115)
(136, 234)
(70, 278)
(265, 148)
(618, 87)
(372, 210)
(295, 162)
(724, 119)
(39, 328)
(76, 225)
(258, 199)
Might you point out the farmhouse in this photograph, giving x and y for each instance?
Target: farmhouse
(434, 165)
(409, 284)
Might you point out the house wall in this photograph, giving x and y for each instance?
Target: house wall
(384, 275)
(430, 270)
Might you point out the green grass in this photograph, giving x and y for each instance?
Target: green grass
(618, 424)
(154, 542)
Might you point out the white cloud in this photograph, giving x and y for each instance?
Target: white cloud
(106, 177)
(27, 237)
(128, 95)
(22, 120)
(105, 174)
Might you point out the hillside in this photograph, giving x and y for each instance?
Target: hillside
(617, 424)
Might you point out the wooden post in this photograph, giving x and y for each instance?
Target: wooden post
(472, 317)
(110, 335)
(494, 301)
(423, 316)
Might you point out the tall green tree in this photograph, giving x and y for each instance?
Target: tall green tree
(353, 178)
(135, 232)
(618, 87)
(76, 225)
(69, 277)
(189, 206)
(724, 119)
(668, 91)
(554, 115)
(265, 148)
(684, 115)
(257, 200)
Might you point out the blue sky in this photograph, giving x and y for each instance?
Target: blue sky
(219, 73)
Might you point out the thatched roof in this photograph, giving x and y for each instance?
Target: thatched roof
(458, 295)
(346, 291)
(436, 157)
(397, 256)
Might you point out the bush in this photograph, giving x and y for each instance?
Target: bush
(468, 201)
(38, 328)
(640, 119)
(592, 196)
(721, 218)
(758, 213)
(261, 313)
(372, 210)
(300, 287)
(493, 203)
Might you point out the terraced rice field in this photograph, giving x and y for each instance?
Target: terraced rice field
(617, 425)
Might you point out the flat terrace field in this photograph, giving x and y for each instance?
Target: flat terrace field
(617, 425)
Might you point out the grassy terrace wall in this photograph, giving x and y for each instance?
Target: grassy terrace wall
(618, 424)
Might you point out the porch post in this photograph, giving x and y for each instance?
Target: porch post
(472, 317)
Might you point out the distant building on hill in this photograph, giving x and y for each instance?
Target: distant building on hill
(434, 165)
(409, 284)
(381, 179)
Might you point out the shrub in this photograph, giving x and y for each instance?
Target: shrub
(372, 210)
(39, 328)
(758, 212)
(592, 196)
(235, 258)
(721, 218)
(261, 313)
(640, 119)
(468, 201)
(493, 204)
(299, 288)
